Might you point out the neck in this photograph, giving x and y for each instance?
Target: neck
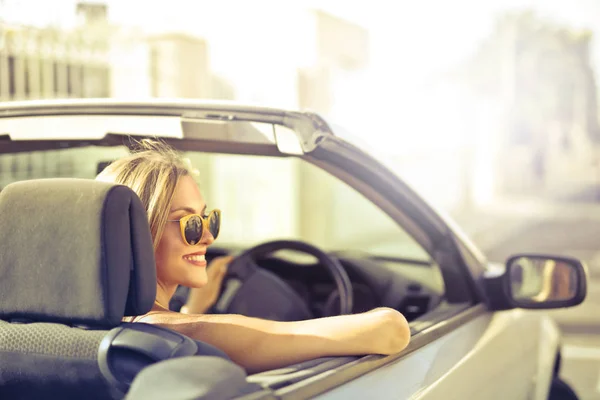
(164, 294)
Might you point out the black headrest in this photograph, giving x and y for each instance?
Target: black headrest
(74, 251)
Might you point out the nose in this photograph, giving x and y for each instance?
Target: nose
(207, 237)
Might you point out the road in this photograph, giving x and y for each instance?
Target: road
(575, 232)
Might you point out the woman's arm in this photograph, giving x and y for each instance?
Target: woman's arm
(259, 345)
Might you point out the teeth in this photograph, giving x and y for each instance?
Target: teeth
(196, 258)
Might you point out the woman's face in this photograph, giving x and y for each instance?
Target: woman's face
(176, 262)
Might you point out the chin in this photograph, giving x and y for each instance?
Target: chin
(196, 281)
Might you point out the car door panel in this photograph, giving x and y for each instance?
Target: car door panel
(488, 357)
(542, 348)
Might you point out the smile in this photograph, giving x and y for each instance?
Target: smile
(196, 259)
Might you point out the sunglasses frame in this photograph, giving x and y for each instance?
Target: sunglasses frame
(205, 224)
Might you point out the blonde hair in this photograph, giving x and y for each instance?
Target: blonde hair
(152, 171)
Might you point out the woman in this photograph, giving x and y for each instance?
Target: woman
(164, 182)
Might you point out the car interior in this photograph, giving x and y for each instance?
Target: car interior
(58, 304)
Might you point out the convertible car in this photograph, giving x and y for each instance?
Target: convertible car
(319, 227)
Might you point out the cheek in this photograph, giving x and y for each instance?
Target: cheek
(168, 253)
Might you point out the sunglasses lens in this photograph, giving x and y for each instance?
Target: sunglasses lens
(193, 230)
(214, 224)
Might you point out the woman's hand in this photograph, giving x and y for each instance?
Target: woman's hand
(201, 299)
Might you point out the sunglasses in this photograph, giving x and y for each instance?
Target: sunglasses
(192, 226)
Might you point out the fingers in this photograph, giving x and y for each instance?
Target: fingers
(221, 271)
(218, 266)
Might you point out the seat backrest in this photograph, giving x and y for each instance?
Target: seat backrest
(76, 257)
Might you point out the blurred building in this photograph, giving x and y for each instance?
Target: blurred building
(538, 78)
(93, 60)
(341, 54)
(51, 63)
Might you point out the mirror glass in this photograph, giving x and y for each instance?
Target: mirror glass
(542, 279)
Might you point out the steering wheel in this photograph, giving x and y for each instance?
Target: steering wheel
(253, 291)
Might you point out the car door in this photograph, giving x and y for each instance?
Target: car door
(475, 354)
(494, 356)
(466, 353)
(475, 359)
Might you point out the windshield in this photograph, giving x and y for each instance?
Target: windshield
(262, 198)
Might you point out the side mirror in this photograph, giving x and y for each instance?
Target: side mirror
(541, 281)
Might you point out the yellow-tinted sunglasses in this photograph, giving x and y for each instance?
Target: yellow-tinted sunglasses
(192, 226)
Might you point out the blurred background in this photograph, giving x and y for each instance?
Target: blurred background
(489, 109)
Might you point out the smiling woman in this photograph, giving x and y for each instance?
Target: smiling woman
(163, 180)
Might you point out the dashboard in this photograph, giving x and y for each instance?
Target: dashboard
(411, 288)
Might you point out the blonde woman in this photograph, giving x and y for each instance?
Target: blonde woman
(164, 182)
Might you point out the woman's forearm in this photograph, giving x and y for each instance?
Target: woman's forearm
(380, 331)
(259, 345)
